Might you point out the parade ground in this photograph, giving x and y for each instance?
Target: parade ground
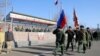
(47, 50)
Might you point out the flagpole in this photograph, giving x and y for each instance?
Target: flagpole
(12, 18)
(59, 7)
(60, 10)
(57, 14)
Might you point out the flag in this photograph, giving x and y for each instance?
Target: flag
(62, 20)
(75, 19)
(56, 2)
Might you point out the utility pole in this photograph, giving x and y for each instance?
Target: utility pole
(2, 13)
(3, 6)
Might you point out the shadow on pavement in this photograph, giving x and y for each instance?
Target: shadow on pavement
(46, 45)
(42, 48)
(27, 51)
(69, 53)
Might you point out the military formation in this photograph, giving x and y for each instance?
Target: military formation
(80, 38)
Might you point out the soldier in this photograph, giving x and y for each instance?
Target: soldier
(77, 35)
(90, 37)
(60, 39)
(82, 39)
(70, 37)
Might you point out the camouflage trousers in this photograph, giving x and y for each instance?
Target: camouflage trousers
(81, 45)
(59, 47)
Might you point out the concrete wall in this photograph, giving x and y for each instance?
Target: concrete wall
(33, 38)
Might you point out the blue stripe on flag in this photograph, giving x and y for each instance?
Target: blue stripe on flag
(60, 19)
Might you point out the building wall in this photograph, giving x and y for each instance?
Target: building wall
(33, 38)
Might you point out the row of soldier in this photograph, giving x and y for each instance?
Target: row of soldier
(79, 36)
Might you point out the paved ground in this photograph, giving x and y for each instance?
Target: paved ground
(47, 50)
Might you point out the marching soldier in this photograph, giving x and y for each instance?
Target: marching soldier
(77, 35)
(82, 39)
(90, 37)
(60, 39)
(70, 37)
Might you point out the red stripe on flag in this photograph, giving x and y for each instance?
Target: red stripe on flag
(63, 23)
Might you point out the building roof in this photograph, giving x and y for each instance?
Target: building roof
(31, 16)
(21, 16)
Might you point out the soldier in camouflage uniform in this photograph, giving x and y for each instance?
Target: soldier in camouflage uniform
(89, 37)
(60, 39)
(70, 33)
(82, 39)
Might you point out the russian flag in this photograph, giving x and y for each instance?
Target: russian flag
(62, 20)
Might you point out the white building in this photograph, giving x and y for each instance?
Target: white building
(18, 20)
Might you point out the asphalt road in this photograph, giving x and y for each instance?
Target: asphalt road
(47, 50)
